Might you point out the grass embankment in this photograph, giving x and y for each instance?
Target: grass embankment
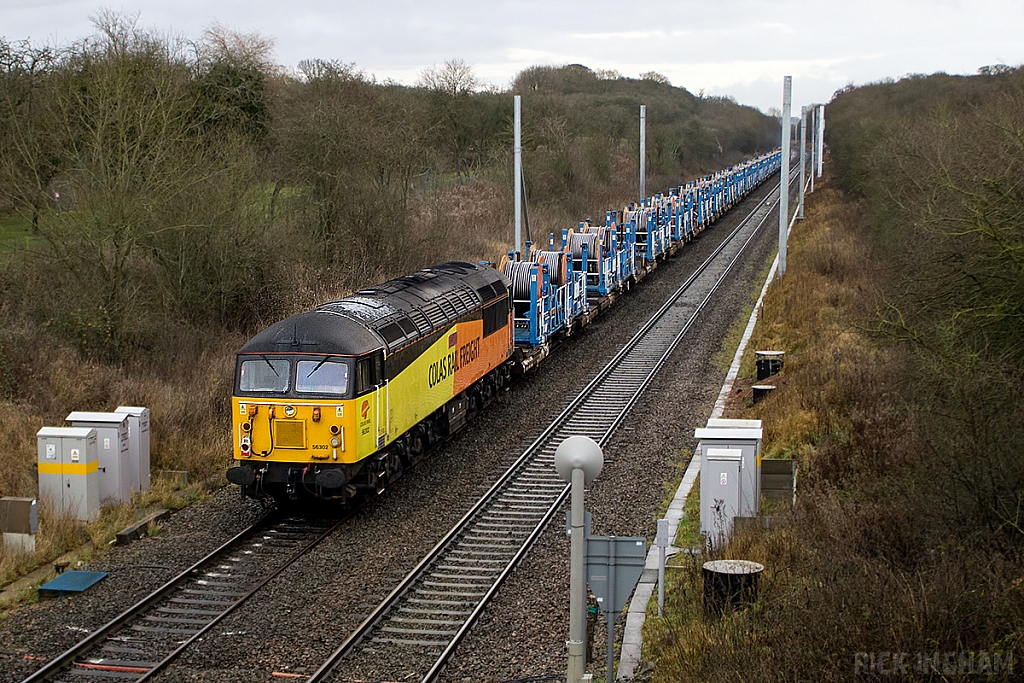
(865, 563)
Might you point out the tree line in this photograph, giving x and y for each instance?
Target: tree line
(194, 184)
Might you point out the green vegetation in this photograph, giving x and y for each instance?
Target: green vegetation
(901, 398)
(162, 199)
(14, 229)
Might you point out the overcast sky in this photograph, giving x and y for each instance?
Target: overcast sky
(740, 48)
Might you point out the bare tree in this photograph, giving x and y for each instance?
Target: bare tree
(28, 163)
(454, 78)
(655, 77)
(224, 45)
(327, 70)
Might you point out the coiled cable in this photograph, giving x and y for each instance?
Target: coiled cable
(577, 241)
(556, 261)
(518, 272)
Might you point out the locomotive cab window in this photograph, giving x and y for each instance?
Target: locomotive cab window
(325, 376)
(369, 371)
(264, 375)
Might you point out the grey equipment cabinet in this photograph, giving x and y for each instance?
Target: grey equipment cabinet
(69, 470)
(138, 445)
(720, 492)
(746, 439)
(112, 448)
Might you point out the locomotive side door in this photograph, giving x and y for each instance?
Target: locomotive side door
(371, 393)
(383, 412)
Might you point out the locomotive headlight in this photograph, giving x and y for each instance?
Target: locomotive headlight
(289, 411)
(335, 443)
(245, 446)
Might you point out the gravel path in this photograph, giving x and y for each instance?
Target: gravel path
(301, 616)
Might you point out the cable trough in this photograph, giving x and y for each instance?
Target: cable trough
(414, 632)
(145, 638)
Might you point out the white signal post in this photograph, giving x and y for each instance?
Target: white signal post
(787, 106)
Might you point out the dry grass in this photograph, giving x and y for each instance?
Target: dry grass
(862, 564)
(189, 398)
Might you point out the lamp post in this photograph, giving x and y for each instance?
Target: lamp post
(578, 461)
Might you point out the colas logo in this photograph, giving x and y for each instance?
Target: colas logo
(365, 408)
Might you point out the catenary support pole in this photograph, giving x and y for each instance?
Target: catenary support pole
(518, 180)
(803, 157)
(821, 136)
(813, 115)
(787, 105)
(643, 153)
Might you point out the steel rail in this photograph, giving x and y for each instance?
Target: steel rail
(533, 454)
(70, 660)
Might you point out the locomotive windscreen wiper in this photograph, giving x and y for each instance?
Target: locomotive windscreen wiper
(326, 358)
(270, 365)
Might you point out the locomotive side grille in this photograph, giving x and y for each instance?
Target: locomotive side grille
(289, 434)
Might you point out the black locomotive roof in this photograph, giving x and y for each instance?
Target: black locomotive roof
(387, 316)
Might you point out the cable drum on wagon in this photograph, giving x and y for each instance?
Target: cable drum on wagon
(518, 272)
(604, 236)
(557, 263)
(577, 241)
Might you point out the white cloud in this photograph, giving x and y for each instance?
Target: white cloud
(730, 47)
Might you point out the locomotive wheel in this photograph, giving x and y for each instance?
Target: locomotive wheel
(414, 444)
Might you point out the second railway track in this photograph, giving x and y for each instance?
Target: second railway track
(420, 624)
(145, 638)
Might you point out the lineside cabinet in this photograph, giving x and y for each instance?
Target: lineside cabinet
(113, 450)
(138, 445)
(69, 471)
(745, 436)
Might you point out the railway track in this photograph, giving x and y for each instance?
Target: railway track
(148, 636)
(420, 624)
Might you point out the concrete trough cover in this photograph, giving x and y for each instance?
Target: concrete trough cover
(761, 391)
(734, 567)
(71, 581)
(728, 584)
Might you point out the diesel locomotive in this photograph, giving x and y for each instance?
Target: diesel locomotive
(340, 399)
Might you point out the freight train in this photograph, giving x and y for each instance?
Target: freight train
(334, 403)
